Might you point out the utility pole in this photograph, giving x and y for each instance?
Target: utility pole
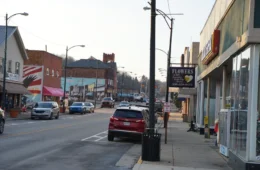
(152, 66)
(166, 114)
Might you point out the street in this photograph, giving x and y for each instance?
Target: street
(72, 142)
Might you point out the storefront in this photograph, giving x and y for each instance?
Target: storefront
(14, 92)
(52, 94)
(229, 78)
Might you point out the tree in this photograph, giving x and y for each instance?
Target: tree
(174, 97)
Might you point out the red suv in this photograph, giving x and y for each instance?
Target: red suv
(127, 122)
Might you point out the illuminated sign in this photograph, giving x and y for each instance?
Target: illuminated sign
(211, 49)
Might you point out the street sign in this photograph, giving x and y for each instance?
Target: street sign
(167, 107)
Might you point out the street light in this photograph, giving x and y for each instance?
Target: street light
(65, 72)
(5, 54)
(165, 16)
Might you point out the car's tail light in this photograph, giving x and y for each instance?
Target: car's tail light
(112, 119)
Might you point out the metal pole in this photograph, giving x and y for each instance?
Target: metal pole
(152, 66)
(223, 105)
(166, 114)
(207, 129)
(65, 79)
(4, 64)
(96, 86)
(122, 85)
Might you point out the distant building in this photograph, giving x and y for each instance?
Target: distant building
(87, 78)
(42, 76)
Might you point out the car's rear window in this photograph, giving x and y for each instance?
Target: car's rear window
(120, 113)
(107, 98)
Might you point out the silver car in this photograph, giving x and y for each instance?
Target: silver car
(90, 107)
(45, 110)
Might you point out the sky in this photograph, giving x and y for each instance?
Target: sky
(121, 27)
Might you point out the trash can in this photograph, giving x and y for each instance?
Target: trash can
(151, 146)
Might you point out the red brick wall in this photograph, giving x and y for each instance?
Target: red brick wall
(50, 61)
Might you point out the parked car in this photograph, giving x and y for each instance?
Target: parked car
(90, 107)
(78, 107)
(127, 122)
(2, 121)
(108, 102)
(47, 109)
(124, 104)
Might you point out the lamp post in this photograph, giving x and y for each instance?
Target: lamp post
(165, 16)
(96, 86)
(5, 54)
(65, 73)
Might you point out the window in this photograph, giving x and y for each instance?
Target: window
(17, 68)
(9, 66)
(239, 102)
(128, 114)
(1, 65)
(47, 71)
(52, 73)
(57, 73)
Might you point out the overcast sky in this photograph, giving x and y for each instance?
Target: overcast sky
(107, 26)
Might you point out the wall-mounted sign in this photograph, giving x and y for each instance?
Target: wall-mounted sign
(11, 76)
(211, 49)
(182, 77)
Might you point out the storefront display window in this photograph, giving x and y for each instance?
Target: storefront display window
(239, 102)
(258, 118)
(212, 102)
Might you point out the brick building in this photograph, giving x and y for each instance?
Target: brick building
(42, 76)
(91, 77)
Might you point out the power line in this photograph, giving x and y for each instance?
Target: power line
(39, 36)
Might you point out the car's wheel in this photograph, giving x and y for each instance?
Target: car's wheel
(110, 137)
(51, 116)
(57, 117)
(32, 118)
(2, 126)
(93, 111)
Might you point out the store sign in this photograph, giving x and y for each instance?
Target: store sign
(223, 150)
(211, 49)
(11, 76)
(182, 77)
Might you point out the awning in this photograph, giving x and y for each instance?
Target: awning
(51, 91)
(14, 88)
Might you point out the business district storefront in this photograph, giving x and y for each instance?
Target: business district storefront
(14, 92)
(229, 87)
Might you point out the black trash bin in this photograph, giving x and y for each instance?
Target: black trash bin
(151, 146)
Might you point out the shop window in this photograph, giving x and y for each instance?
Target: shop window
(17, 68)
(57, 73)
(239, 103)
(258, 118)
(9, 66)
(52, 73)
(205, 99)
(47, 71)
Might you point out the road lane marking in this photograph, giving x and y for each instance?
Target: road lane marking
(95, 136)
(101, 138)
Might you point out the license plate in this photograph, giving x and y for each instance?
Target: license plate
(126, 123)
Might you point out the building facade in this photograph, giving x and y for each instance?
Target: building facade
(16, 56)
(87, 78)
(42, 76)
(228, 78)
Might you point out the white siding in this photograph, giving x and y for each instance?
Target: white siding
(13, 53)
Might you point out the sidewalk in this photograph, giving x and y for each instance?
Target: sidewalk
(185, 150)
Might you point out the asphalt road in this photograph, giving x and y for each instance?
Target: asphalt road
(73, 142)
